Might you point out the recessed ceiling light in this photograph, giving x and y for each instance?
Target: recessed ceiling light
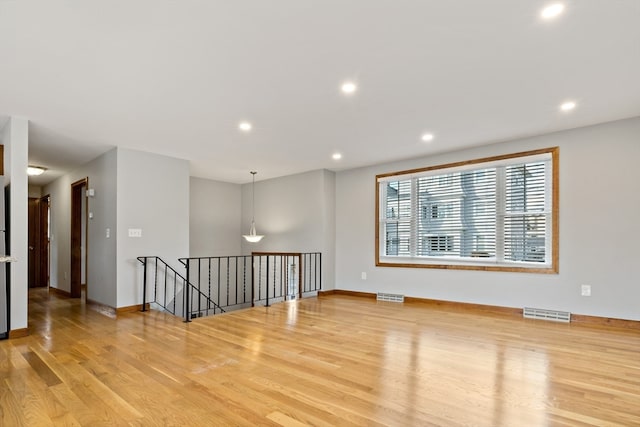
(244, 126)
(427, 137)
(336, 156)
(348, 88)
(568, 106)
(552, 11)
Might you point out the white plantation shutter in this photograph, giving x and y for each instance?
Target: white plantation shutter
(480, 200)
(493, 213)
(526, 212)
(398, 217)
(457, 214)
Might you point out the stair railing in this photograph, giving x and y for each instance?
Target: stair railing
(170, 286)
(263, 277)
(223, 279)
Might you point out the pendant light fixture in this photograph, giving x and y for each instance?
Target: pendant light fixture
(253, 237)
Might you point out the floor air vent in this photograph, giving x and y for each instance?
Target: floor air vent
(390, 297)
(539, 313)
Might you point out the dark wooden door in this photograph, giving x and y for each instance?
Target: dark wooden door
(77, 198)
(38, 242)
(42, 242)
(33, 236)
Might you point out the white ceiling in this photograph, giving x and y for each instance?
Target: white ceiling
(176, 77)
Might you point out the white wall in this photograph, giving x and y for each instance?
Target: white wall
(101, 253)
(214, 221)
(15, 138)
(295, 213)
(153, 195)
(599, 230)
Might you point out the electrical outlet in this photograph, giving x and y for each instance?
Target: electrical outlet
(585, 290)
(363, 275)
(107, 233)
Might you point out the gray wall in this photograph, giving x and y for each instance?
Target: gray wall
(295, 213)
(334, 214)
(329, 230)
(214, 222)
(599, 230)
(153, 195)
(132, 190)
(101, 254)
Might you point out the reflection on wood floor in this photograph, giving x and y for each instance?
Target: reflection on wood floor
(335, 360)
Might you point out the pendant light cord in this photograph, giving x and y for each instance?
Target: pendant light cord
(253, 237)
(253, 197)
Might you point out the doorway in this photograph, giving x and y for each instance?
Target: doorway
(79, 239)
(38, 262)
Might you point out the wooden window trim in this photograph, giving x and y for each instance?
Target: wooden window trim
(555, 215)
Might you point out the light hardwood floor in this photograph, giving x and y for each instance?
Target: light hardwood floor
(335, 360)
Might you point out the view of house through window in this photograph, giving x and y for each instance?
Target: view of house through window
(494, 213)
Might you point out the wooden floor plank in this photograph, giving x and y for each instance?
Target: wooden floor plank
(11, 413)
(41, 368)
(334, 360)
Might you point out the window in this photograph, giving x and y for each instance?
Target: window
(435, 244)
(497, 213)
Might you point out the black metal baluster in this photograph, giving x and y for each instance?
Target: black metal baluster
(155, 278)
(144, 286)
(310, 267)
(275, 267)
(285, 281)
(236, 262)
(259, 278)
(253, 281)
(227, 280)
(199, 299)
(244, 279)
(319, 256)
(209, 284)
(164, 302)
(299, 270)
(175, 295)
(218, 281)
(267, 277)
(185, 293)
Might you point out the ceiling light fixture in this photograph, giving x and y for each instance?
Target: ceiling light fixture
(35, 170)
(348, 88)
(427, 137)
(245, 126)
(568, 106)
(336, 156)
(253, 237)
(552, 11)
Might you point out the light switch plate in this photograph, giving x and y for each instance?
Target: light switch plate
(135, 232)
